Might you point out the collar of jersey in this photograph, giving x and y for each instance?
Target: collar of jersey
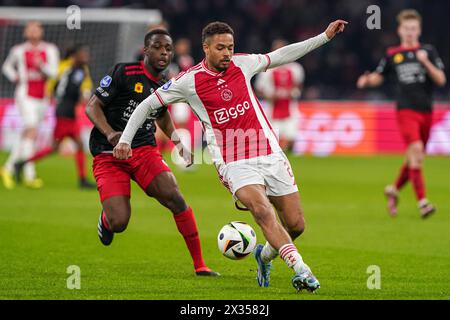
(401, 48)
(209, 71)
(148, 74)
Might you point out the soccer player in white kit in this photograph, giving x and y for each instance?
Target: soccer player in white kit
(281, 88)
(243, 146)
(29, 65)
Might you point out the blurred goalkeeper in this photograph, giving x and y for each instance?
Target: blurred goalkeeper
(72, 86)
(417, 69)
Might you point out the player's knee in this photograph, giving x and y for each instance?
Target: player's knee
(415, 158)
(416, 149)
(174, 201)
(30, 133)
(79, 144)
(263, 214)
(296, 228)
(118, 219)
(118, 224)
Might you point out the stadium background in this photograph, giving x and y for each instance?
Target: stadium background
(350, 228)
(363, 128)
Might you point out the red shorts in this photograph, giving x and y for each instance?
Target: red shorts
(414, 126)
(113, 175)
(66, 127)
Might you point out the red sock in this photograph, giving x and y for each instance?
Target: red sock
(403, 177)
(105, 222)
(40, 154)
(418, 183)
(79, 159)
(188, 228)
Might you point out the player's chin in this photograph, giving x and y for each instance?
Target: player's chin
(223, 66)
(160, 67)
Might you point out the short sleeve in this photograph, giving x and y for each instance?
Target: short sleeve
(384, 66)
(173, 91)
(252, 64)
(110, 85)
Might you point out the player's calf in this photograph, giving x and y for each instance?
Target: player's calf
(18, 170)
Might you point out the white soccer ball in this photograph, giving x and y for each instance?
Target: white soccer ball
(236, 240)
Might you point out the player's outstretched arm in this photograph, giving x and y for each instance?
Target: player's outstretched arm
(295, 51)
(122, 150)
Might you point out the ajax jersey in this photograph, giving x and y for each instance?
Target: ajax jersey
(235, 125)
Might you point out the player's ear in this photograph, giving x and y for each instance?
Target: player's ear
(205, 47)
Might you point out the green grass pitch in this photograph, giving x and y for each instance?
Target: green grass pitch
(42, 232)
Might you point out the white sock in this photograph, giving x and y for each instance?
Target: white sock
(293, 259)
(27, 152)
(14, 155)
(268, 253)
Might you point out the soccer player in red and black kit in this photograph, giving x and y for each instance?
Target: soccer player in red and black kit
(109, 109)
(417, 68)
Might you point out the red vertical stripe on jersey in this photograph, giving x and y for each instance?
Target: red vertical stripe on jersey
(36, 80)
(283, 80)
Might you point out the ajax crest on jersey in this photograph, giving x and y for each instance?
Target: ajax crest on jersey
(236, 240)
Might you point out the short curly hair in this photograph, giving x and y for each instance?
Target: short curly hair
(216, 27)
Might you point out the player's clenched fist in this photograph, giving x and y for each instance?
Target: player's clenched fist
(122, 151)
(335, 27)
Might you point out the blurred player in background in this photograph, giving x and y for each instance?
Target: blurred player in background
(417, 69)
(29, 65)
(255, 169)
(109, 109)
(281, 87)
(73, 85)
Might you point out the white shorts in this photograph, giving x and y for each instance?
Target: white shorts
(273, 171)
(286, 128)
(31, 110)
